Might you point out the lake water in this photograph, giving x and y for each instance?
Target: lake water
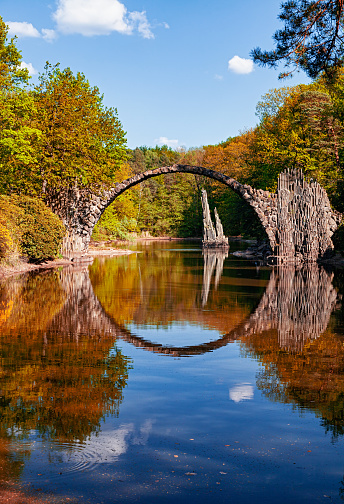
(169, 375)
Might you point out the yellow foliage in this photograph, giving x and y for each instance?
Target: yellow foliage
(6, 242)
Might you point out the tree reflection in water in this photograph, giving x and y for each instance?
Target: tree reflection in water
(60, 371)
(303, 360)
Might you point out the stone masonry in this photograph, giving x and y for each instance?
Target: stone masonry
(297, 219)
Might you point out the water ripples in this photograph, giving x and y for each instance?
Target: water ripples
(53, 459)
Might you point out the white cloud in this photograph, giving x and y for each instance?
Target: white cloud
(139, 19)
(240, 65)
(165, 141)
(29, 67)
(89, 18)
(49, 35)
(241, 392)
(218, 77)
(22, 29)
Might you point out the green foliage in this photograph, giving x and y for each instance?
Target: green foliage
(11, 74)
(115, 223)
(302, 132)
(41, 230)
(119, 219)
(168, 205)
(19, 137)
(311, 39)
(32, 226)
(83, 141)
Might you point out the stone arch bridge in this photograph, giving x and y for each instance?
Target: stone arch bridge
(298, 219)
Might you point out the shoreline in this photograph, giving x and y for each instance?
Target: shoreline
(106, 250)
(23, 267)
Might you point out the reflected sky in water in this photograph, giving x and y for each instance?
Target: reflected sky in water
(170, 375)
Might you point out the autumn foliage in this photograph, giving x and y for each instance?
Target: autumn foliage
(29, 228)
(59, 135)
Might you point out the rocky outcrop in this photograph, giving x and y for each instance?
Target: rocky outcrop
(213, 236)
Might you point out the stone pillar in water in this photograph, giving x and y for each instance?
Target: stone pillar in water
(213, 237)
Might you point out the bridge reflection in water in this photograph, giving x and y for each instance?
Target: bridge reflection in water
(297, 302)
(78, 364)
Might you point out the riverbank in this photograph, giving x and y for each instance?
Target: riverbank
(21, 266)
(254, 252)
(259, 253)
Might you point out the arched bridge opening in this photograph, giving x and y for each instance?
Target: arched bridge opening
(298, 219)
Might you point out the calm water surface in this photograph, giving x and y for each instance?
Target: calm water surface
(169, 375)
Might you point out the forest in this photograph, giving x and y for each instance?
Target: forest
(58, 134)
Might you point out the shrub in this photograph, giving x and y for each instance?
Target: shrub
(9, 233)
(6, 242)
(35, 228)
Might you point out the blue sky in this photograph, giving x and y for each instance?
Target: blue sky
(178, 72)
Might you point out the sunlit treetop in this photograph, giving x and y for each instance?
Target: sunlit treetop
(11, 73)
(311, 39)
(83, 141)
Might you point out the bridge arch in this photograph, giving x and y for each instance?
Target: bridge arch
(259, 200)
(297, 219)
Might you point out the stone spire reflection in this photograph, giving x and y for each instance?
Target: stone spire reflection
(213, 260)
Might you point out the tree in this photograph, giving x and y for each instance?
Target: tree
(11, 74)
(18, 134)
(311, 40)
(83, 142)
(302, 133)
(33, 230)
